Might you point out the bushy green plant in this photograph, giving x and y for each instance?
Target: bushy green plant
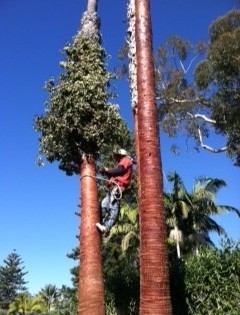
(212, 281)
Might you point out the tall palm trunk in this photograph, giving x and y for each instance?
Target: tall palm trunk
(91, 289)
(154, 274)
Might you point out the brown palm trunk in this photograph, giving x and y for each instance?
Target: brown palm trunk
(154, 274)
(91, 289)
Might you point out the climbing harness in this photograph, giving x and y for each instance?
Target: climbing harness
(116, 191)
(114, 195)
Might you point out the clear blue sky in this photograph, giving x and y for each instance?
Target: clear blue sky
(37, 205)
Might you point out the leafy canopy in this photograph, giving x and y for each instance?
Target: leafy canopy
(207, 99)
(78, 118)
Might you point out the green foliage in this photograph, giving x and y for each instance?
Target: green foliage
(203, 75)
(225, 24)
(175, 92)
(208, 96)
(22, 304)
(49, 296)
(11, 279)
(78, 118)
(188, 214)
(179, 46)
(212, 281)
(222, 78)
(121, 264)
(67, 304)
(49, 300)
(177, 284)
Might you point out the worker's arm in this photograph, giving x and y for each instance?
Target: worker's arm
(117, 171)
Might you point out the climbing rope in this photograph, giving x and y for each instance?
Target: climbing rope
(117, 189)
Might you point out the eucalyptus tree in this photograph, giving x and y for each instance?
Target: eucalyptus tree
(77, 124)
(198, 86)
(154, 273)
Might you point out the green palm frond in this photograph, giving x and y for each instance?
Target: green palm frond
(185, 209)
(227, 209)
(126, 240)
(127, 222)
(214, 184)
(178, 186)
(209, 184)
(200, 239)
(201, 193)
(21, 304)
(207, 224)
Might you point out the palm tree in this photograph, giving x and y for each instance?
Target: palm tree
(21, 305)
(24, 303)
(127, 227)
(91, 288)
(203, 201)
(49, 295)
(154, 273)
(78, 124)
(191, 212)
(68, 301)
(176, 210)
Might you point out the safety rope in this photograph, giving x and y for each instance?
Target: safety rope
(117, 193)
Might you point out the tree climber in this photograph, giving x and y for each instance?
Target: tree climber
(119, 180)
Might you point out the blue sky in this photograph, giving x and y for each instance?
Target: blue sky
(37, 205)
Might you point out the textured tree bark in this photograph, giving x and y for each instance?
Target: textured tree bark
(154, 274)
(91, 289)
(89, 27)
(132, 69)
(92, 6)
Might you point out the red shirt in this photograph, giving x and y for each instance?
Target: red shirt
(125, 179)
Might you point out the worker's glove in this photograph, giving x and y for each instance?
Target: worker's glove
(102, 170)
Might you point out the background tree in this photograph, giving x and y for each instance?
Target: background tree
(11, 279)
(22, 304)
(49, 295)
(121, 264)
(67, 304)
(189, 214)
(207, 99)
(212, 280)
(77, 124)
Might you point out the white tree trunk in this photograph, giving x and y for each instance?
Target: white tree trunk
(92, 6)
(89, 27)
(131, 40)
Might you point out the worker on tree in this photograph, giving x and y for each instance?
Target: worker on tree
(119, 180)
